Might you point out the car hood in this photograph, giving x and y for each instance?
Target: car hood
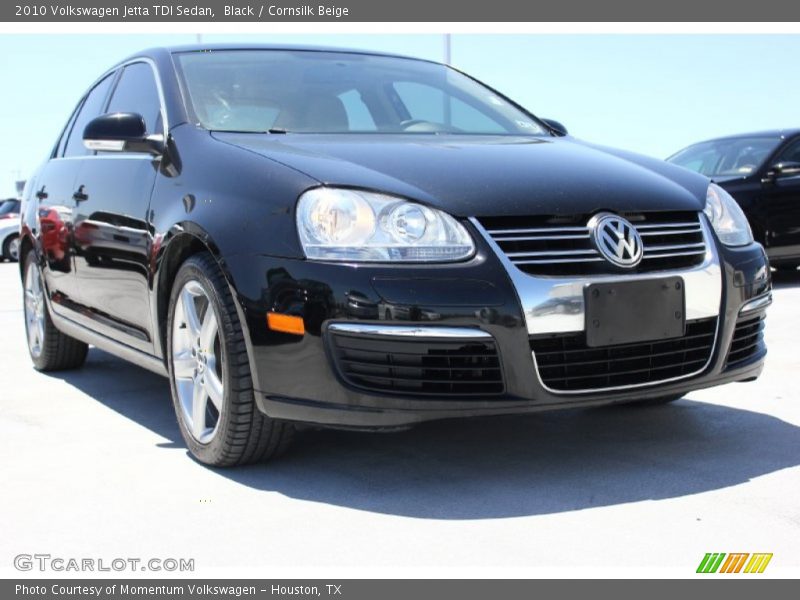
(725, 180)
(486, 175)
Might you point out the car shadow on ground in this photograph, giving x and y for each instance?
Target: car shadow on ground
(786, 279)
(491, 468)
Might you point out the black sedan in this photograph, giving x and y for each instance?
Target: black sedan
(350, 239)
(762, 172)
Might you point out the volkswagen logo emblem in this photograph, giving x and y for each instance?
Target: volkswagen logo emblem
(616, 239)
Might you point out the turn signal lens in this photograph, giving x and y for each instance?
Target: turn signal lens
(286, 323)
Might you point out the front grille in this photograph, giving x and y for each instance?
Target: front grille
(563, 246)
(566, 363)
(747, 338)
(420, 367)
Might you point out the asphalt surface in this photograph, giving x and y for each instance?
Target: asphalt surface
(92, 465)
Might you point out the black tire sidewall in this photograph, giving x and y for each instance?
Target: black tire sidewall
(212, 452)
(29, 257)
(7, 248)
(39, 362)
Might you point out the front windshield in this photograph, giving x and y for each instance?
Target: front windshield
(338, 92)
(727, 157)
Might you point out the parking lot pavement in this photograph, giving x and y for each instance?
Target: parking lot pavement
(93, 466)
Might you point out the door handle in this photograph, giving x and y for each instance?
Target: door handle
(41, 194)
(80, 195)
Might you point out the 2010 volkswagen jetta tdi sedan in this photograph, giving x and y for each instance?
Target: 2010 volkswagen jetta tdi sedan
(351, 239)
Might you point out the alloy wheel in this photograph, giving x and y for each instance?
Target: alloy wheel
(13, 249)
(34, 309)
(196, 362)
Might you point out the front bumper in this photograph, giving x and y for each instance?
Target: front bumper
(300, 378)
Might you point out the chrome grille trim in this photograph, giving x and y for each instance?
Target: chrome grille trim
(413, 331)
(667, 225)
(494, 232)
(661, 247)
(550, 261)
(584, 251)
(553, 305)
(551, 253)
(546, 238)
(669, 254)
(647, 232)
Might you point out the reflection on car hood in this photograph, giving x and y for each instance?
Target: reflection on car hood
(722, 179)
(486, 175)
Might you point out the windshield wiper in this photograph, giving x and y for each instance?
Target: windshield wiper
(277, 130)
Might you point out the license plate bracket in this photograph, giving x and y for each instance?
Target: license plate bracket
(641, 310)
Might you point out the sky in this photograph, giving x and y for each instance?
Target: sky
(652, 94)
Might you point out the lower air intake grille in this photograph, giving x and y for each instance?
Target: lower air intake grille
(566, 363)
(419, 367)
(747, 338)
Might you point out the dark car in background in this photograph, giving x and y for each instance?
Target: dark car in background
(762, 172)
(362, 240)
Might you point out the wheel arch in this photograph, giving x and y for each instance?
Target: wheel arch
(25, 245)
(182, 242)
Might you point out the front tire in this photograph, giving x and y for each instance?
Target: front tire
(11, 248)
(50, 349)
(212, 387)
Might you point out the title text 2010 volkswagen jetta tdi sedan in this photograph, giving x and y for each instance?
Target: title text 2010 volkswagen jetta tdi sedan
(360, 240)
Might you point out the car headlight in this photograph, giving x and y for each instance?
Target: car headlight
(339, 224)
(727, 217)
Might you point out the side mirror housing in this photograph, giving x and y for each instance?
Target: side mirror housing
(121, 132)
(787, 168)
(782, 169)
(556, 125)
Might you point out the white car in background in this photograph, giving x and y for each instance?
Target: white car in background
(9, 229)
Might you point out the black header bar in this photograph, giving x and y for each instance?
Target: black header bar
(255, 11)
(406, 589)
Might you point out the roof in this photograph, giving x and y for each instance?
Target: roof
(293, 47)
(769, 133)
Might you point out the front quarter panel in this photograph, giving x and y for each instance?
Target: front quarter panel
(220, 198)
(244, 202)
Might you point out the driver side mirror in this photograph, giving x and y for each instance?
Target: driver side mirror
(556, 125)
(786, 169)
(121, 132)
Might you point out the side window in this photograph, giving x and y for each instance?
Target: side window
(427, 103)
(790, 154)
(92, 107)
(358, 115)
(136, 92)
(62, 141)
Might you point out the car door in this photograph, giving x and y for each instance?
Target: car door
(112, 234)
(781, 200)
(56, 203)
